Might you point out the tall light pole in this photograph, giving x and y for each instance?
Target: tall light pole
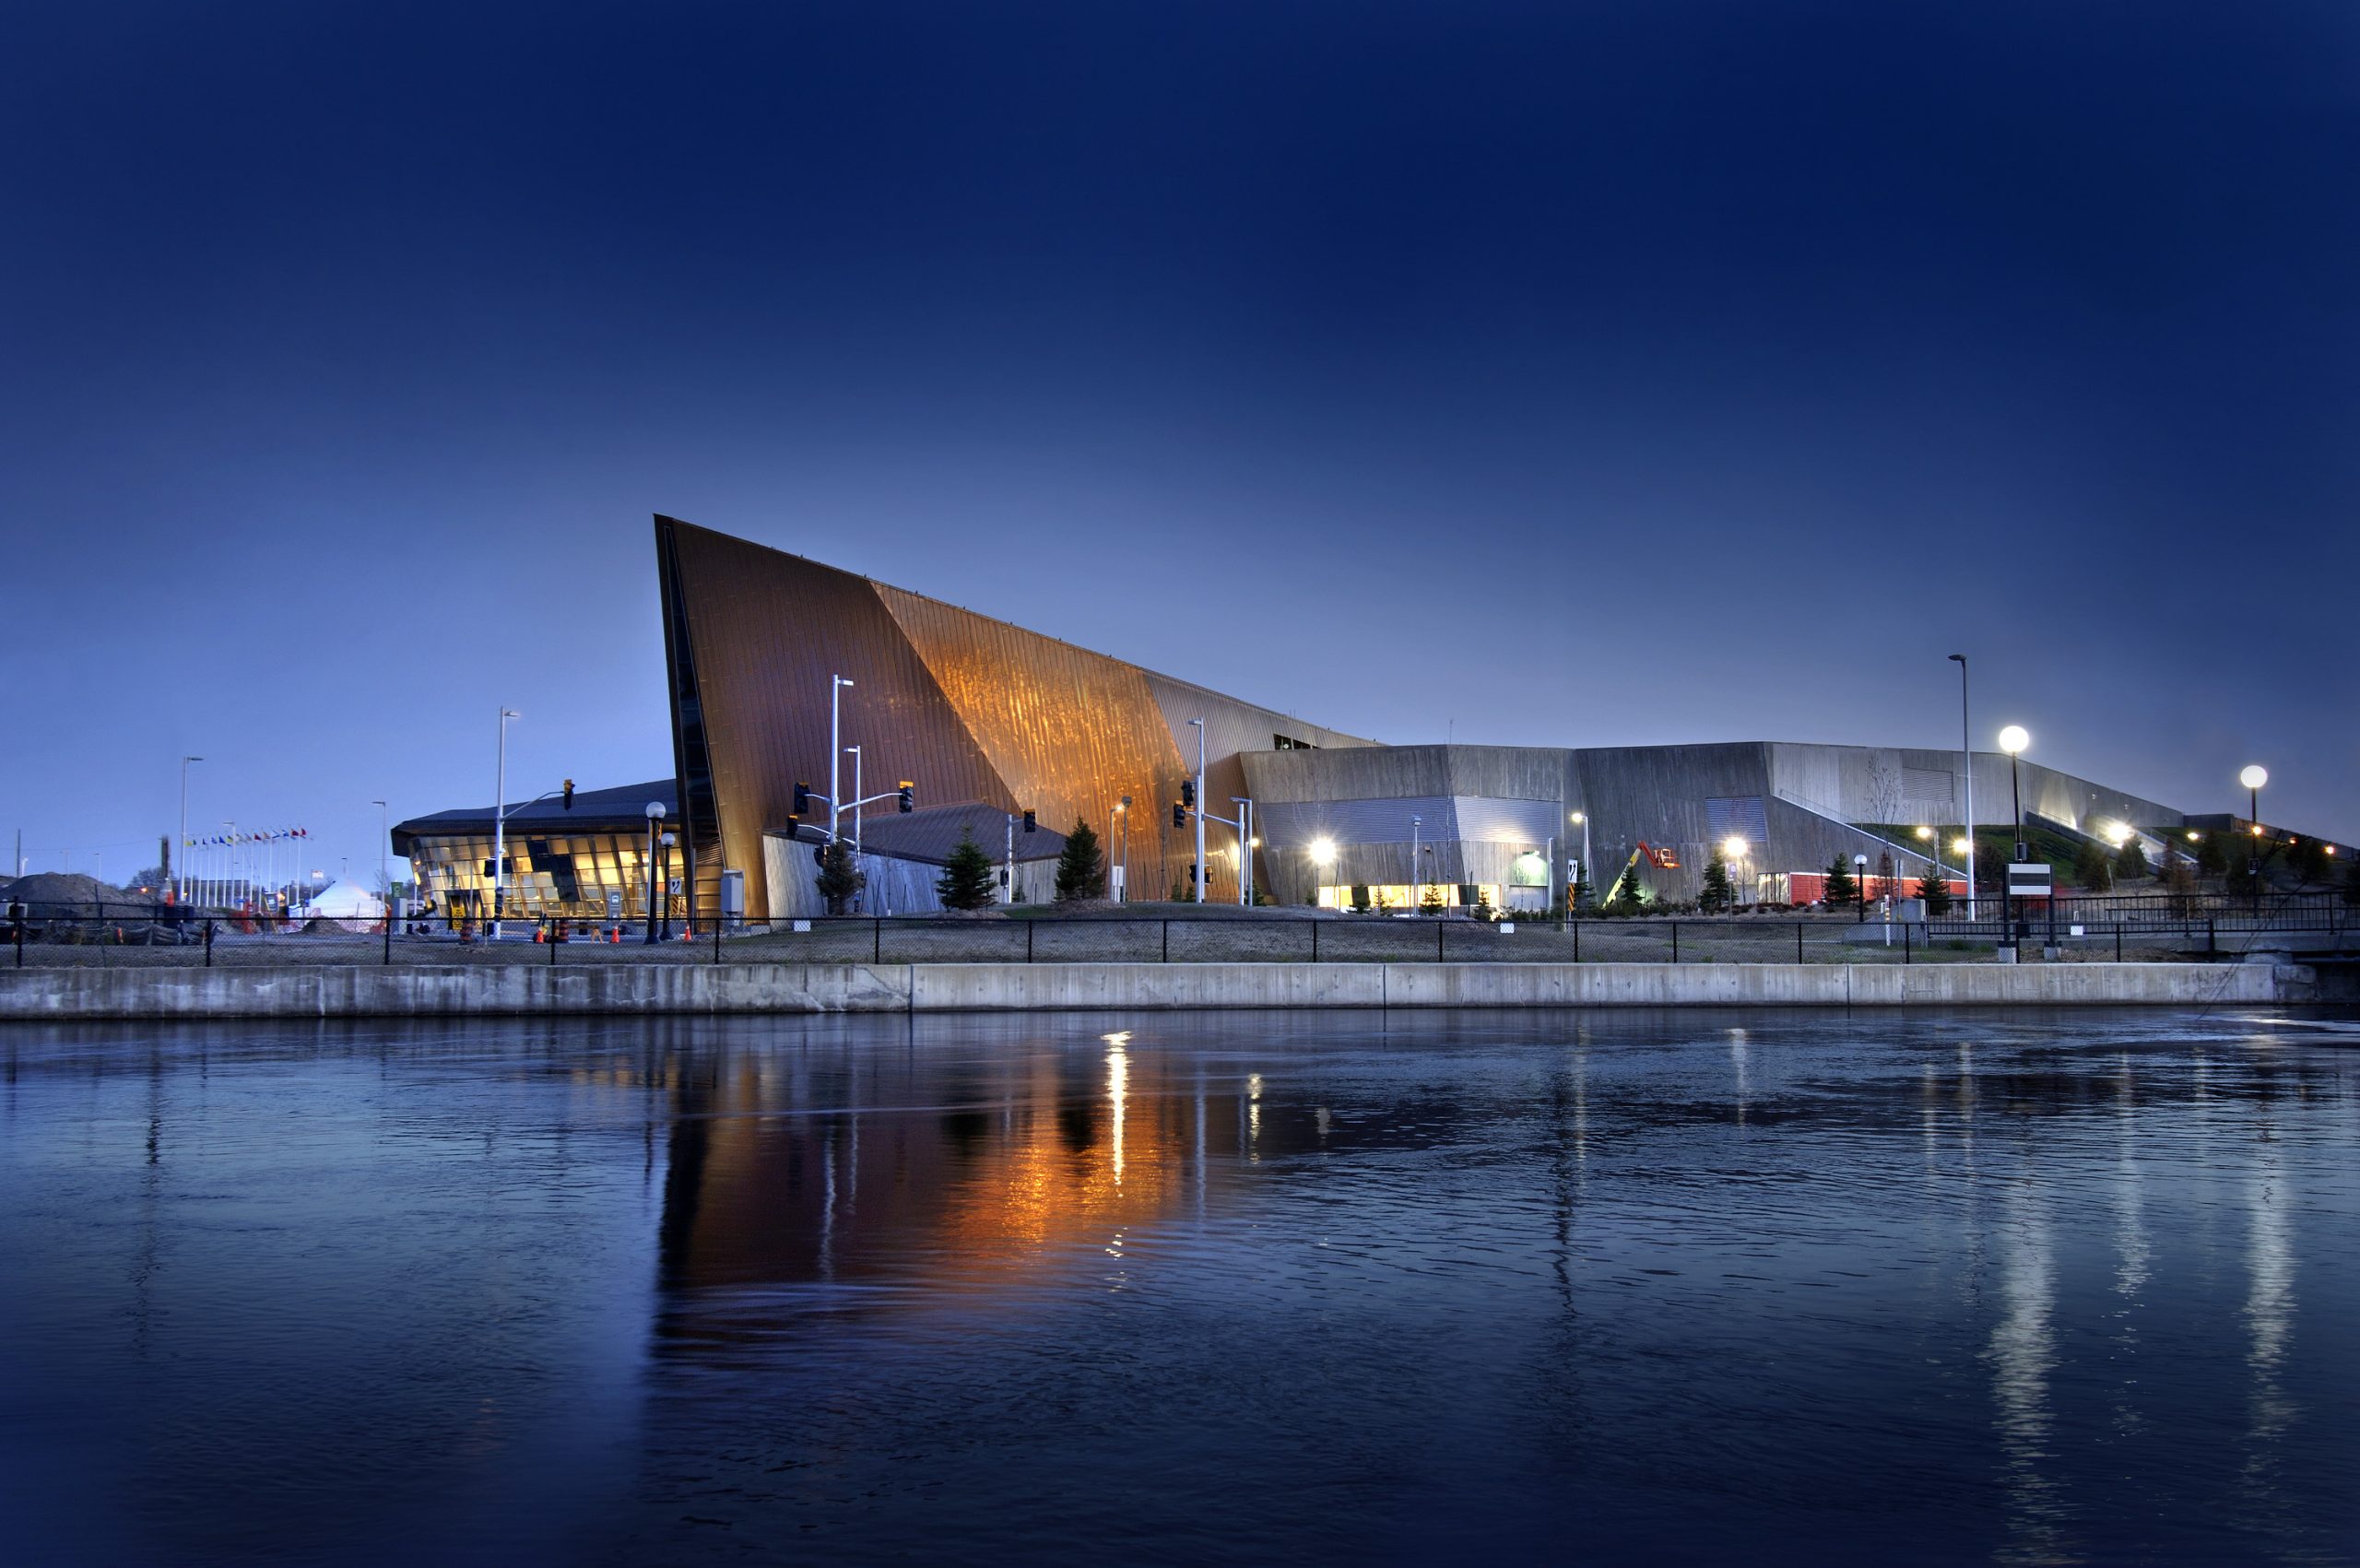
(179, 865)
(836, 685)
(655, 826)
(1966, 766)
(1123, 883)
(1246, 843)
(500, 825)
(1581, 819)
(1416, 825)
(1200, 808)
(1734, 849)
(385, 836)
(2253, 778)
(2013, 740)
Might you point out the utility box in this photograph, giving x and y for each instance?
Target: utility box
(733, 900)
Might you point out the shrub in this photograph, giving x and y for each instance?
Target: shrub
(966, 879)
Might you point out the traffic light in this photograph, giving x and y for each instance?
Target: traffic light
(908, 798)
(803, 800)
(1179, 815)
(1188, 792)
(1029, 824)
(569, 795)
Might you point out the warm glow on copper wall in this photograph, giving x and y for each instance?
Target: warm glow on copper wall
(970, 707)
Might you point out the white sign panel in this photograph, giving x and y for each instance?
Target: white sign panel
(2028, 879)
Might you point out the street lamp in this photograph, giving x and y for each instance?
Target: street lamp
(2013, 740)
(180, 860)
(1967, 765)
(385, 836)
(2254, 776)
(1199, 809)
(500, 825)
(655, 822)
(1580, 819)
(1415, 863)
(1733, 848)
(663, 885)
(1123, 881)
(836, 685)
(1860, 884)
(1323, 855)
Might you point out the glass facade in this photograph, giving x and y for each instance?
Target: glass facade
(1399, 896)
(587, 876)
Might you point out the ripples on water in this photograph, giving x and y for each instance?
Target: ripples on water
(1697, 1287)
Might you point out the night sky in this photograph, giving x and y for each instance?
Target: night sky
(1557, 374)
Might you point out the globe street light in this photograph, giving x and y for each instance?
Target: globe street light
(2013, 740)
(1733, 849)
(2254, 776)
(655, 822)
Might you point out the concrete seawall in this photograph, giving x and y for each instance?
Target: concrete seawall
(407, 991)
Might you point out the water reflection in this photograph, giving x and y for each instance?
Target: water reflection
(1348, 1288)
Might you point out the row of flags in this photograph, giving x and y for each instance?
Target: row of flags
(267, 835)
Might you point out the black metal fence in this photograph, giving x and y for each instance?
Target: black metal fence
(144, 936)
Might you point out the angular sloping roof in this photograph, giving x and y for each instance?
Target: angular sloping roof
(593, 810)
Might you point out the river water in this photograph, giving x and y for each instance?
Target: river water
(1304, 1287)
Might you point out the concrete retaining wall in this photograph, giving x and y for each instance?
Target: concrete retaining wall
(430, 992)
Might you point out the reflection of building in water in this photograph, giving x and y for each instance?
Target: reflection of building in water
(968, 1168)
(2269, 1308)
(2023, 1356)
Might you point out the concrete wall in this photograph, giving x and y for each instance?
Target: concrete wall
(430, 992)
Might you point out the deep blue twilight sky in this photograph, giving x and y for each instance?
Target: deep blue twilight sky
(348, 350)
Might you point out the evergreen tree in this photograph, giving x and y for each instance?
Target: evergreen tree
(1935, 888)
(1991, 868)
(1082, 870)
(1581, 892)
(1430, 899)
(2093, 869)
(2131, 860)
(2210, 861)
(1841, 889)
(1631, 891)
(2308, 859)
(1717, 892)
(2178, 878)
(841, 878)
(966, 879)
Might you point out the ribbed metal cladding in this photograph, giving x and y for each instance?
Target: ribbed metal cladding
(970, 708)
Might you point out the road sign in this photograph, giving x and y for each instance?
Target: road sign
(2028, 879)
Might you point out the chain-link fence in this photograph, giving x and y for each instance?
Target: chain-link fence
(144, 936)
